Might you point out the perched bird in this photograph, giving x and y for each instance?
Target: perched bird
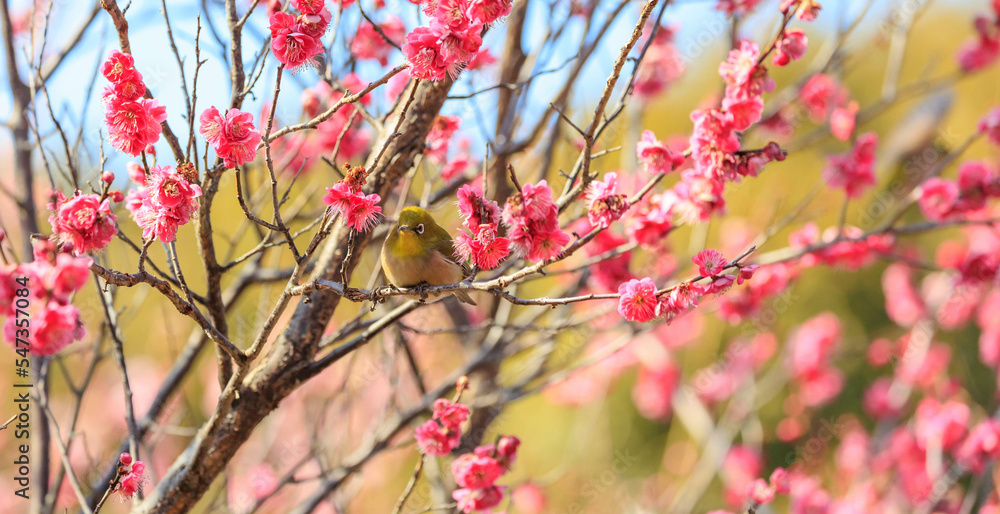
(419, 252)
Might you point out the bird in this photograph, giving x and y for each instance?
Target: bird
(418, 252)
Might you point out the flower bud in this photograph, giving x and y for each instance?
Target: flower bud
(507, 445)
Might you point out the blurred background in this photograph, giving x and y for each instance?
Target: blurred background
(588, 442)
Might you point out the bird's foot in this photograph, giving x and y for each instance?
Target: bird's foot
(381, 294)
(421, 292)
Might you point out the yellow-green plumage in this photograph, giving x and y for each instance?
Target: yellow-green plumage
(419, 251)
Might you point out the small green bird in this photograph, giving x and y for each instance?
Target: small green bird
(419, 252)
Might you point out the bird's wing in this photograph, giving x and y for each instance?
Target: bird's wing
(447, 248)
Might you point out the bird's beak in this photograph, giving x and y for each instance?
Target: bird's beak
(404, 228)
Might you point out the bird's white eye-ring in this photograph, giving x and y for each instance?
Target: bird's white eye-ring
(420, 229)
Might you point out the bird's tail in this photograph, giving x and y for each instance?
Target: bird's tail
(464, 297)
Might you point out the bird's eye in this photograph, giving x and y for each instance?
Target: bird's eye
(420, 229)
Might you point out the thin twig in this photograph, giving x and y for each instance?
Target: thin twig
(409, 485)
